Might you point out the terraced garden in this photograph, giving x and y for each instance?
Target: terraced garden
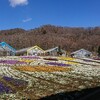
(34, 77)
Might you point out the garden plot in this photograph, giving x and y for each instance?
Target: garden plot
(35, 77)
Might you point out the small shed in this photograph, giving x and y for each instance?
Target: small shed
(52, 52)
(35, 50)
(6, 49)
(82, 53)
(55, 52)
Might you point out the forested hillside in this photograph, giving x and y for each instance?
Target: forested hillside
(49, 36)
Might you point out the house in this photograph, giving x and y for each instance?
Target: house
(52, 52)
(35, 50)
(82, 53)
(6, 49)
(55, 52)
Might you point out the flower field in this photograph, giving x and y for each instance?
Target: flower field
(34, 77)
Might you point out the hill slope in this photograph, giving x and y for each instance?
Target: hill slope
(48, 36)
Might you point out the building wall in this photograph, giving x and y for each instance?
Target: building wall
(7, 53)
(35, 52)
(82, 55)
(4, 53)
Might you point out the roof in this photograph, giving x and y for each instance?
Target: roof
(52, 49)
(6, 46)
(34, 48)
(23, 50)
(81, 50)
(1, 48)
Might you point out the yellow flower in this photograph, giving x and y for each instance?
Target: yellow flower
(26, 60)
(72, 63)
(66, 58)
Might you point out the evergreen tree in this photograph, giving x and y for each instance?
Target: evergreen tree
(59, 50)
(99, 51)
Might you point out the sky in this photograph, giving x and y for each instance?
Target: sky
(30, 14)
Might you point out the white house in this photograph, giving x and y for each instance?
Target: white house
(82, 53)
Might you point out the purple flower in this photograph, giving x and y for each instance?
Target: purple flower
(31, 57)
(15, 82)
(96, 58)
(5, 89)
(87, 60)
(57, 64)
(11, 62)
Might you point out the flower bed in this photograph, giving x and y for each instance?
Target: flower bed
(26, 60)
(42, 68)
(46, 77)
(57, 64)
(53, 59)
(11, 62)
(96, 58)
(15, 82)
(72, 63)
(30, 57)
(87, 60)
(5, 89)
(66, 58)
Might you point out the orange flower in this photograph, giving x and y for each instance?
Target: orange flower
(42, 68)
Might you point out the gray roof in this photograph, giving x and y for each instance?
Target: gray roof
(1, 48)
(23, 50)
(52, 49)
(81, 50)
